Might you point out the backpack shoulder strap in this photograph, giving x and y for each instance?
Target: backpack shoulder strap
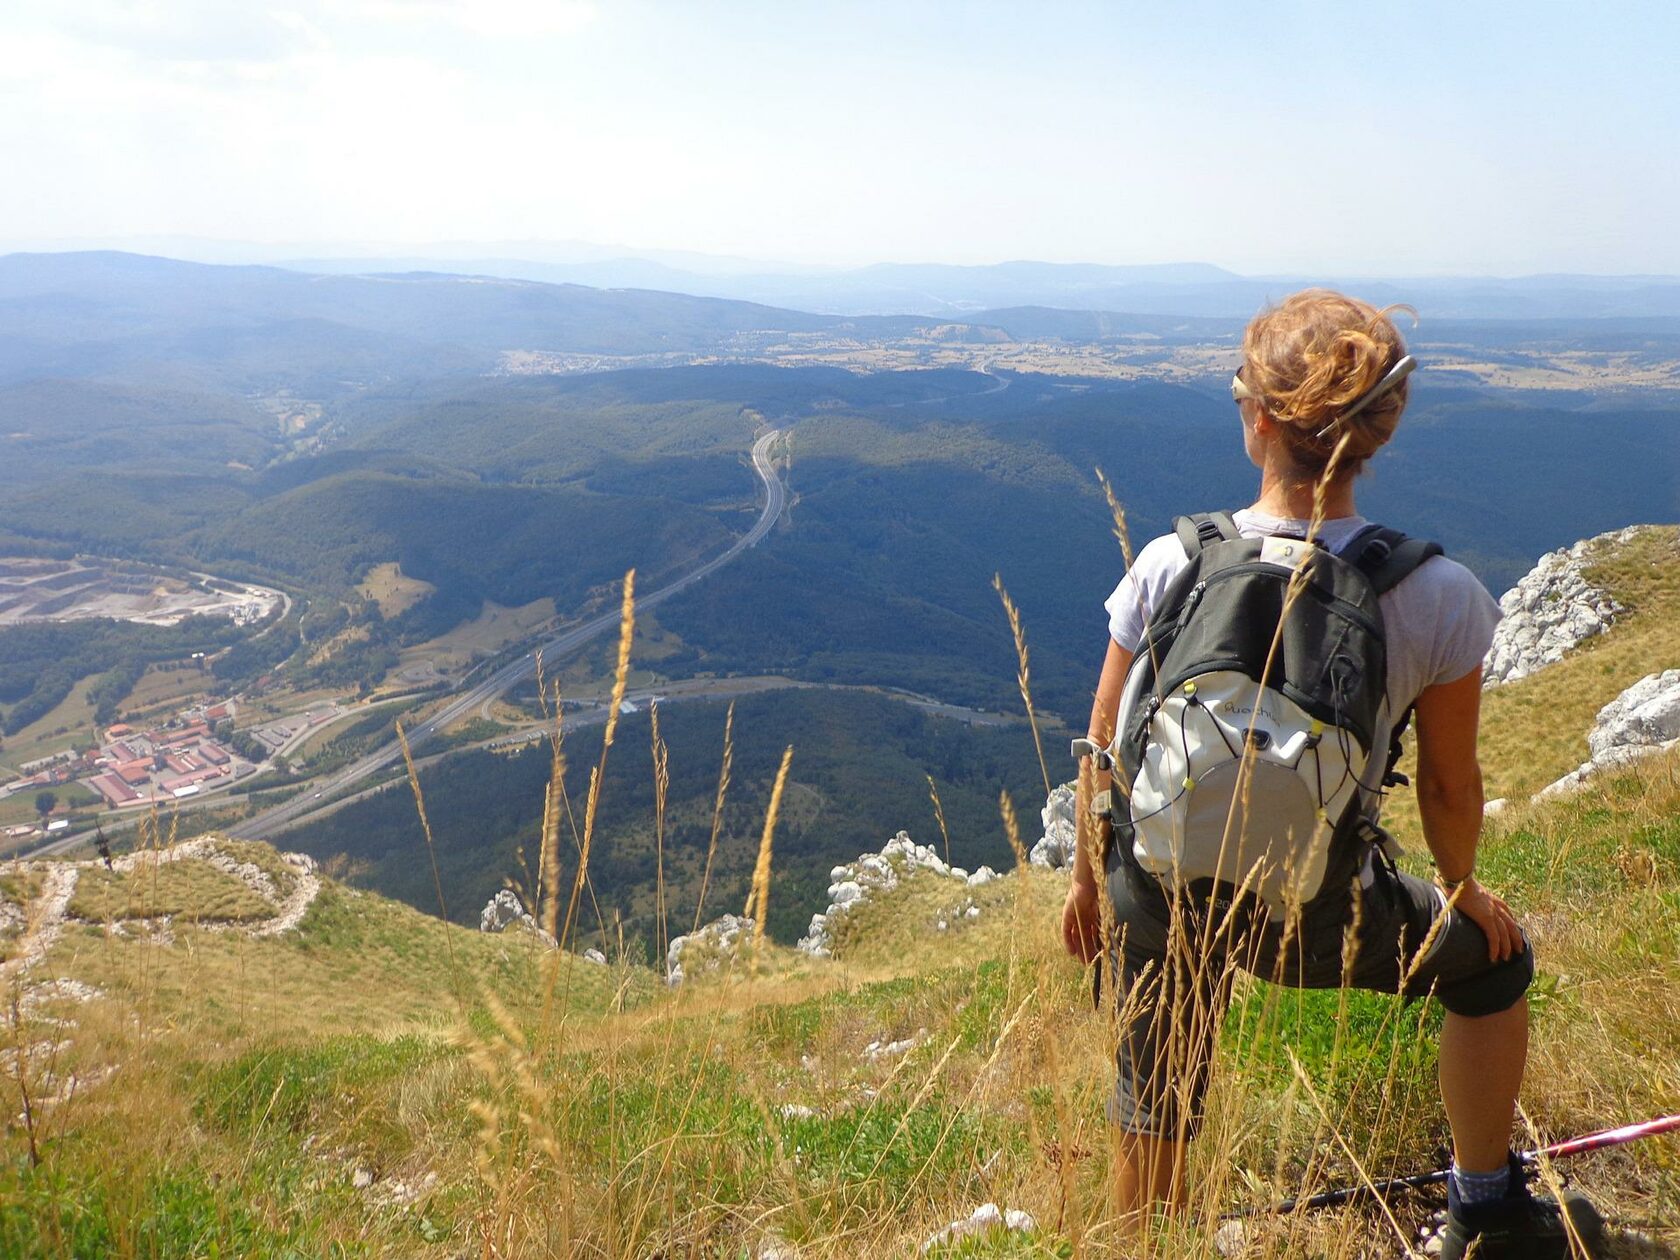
(1203, 529)
(1387, 557)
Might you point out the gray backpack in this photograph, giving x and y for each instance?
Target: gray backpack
(1245, 729)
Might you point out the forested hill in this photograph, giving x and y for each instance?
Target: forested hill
(98, 314)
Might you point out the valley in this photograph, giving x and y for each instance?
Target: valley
(815, 507)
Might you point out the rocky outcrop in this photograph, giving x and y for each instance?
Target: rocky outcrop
(714, 947)
(856, 882)
(1055, 849)
(502, 911)
(1551, 610)
(1643, 720)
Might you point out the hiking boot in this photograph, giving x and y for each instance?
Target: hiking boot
(1521, 1226)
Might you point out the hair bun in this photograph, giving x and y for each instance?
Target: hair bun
(1315, 354)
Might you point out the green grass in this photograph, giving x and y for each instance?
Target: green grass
(190, 888)
(72, 1207)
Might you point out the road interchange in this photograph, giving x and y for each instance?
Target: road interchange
(317, 795)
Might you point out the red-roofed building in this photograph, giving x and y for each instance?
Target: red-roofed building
(134, 772)
(118, 731)
(212, 753)
(114, 790)
(187, 780)
(216, 712)
(186, 735)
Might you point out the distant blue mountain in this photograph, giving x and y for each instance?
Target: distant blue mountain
(1168, 289)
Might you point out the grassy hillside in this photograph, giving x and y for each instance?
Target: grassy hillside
(371, 1081)
(858, 776)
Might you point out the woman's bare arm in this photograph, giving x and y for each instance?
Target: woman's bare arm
(1449, 796)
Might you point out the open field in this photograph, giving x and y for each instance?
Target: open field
(492, 630)
(161, 690)
(71, 718)
(284, 702)
(1137, 357)
(395, 593)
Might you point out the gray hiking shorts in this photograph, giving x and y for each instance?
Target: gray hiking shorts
(1177, 958)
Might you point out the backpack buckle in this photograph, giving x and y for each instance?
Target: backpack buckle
(1081, 748)
(1375, 553)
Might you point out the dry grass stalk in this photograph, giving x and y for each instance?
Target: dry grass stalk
(548, 856)
(431, 846)
(661, 789)
(1122, 531)
(621, 676)
(939, 816)
(1012, 829)
(717, 810)
(758, 899)
(1023, 675)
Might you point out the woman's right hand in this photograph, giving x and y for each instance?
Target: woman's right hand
(1081, 921)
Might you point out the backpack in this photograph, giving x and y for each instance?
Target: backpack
(1245, 727)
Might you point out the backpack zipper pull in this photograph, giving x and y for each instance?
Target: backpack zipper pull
(1190, 602)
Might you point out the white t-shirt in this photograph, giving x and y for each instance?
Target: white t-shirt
(1438, 622)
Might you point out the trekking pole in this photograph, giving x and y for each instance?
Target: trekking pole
(1601, 1140)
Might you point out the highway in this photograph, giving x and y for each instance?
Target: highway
(775, 501)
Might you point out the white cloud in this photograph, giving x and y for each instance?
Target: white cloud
(495, 19)
(183, 30)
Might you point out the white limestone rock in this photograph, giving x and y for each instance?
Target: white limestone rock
(877, 1050)
(503, 910)
(1055, 850)
(593, 955)
(984, 875)
(1646, 715)
(714, 947)
(854, 883)
(1642, 721)
(1550, 610)
(985, 1218)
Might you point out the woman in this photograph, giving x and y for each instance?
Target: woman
(1321, 388)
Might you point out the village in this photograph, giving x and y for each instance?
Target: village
(136, 767)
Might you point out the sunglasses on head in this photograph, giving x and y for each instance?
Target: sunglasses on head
(1241, 393)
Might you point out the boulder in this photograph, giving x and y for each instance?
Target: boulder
(984, 1220)
(714, 947)
(1643, 720)
(1056, 848)
(502, 910)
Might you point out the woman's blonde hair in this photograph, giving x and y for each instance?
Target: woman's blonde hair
(1313, 355)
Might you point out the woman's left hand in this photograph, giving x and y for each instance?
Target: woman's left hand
(1493, 916)
(1081, 922)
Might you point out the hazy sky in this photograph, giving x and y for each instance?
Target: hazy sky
(1324, 137)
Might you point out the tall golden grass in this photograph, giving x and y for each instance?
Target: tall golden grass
(654, 1125)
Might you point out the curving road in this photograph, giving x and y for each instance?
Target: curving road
(775, 501)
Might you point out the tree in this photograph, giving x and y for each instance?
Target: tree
(45, 803)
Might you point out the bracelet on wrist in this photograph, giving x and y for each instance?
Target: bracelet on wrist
(1453, 885)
